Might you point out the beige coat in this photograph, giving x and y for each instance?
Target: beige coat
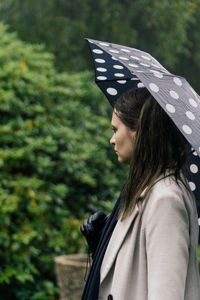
(154, 257)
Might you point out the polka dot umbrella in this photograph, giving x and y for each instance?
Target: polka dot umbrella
(119, 68)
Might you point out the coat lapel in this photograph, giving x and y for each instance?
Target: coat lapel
(117, 238)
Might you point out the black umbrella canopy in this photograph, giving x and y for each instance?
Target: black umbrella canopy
(119, 68)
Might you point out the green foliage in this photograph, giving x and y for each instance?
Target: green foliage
(55, 166)
(189, 62)
(169, 30)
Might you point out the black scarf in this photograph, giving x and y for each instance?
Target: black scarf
(91, 289)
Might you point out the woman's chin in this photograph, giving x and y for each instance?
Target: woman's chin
(122, 160)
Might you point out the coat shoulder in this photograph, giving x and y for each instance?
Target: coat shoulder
(168, 187)
(168, 198)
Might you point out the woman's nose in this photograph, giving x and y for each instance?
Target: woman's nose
(112, 140)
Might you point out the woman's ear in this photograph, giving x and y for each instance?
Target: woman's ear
(133, 134)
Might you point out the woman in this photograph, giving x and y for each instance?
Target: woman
(150, 251)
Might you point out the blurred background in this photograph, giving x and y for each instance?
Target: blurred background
(56, 165)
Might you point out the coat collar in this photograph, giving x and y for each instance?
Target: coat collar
(117, 238)
(120, 232)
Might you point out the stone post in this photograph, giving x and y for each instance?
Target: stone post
(70, 272)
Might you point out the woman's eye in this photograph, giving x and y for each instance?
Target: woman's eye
(114, 129)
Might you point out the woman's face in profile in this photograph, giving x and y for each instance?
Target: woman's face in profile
(122, 139)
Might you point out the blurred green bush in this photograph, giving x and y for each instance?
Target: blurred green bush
(55, 165)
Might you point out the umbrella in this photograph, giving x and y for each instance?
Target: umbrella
(119, 68)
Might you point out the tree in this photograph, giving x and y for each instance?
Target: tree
(158, 26)
(189, 61)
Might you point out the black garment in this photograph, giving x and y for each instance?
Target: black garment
(91, 290)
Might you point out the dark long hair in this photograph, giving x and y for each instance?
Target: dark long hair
(158, 147)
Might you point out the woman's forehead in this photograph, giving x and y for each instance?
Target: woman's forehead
(115, 119)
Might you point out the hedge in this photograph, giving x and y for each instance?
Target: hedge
(56, 165)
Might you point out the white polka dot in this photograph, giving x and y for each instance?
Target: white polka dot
(123, 58)
(193, 102)
(154, 87)
(146, 57)
(145, 65)
(101, 77)
(192, 186)
(101, 69)
(193, 168)
(194, 153)
(133, 65)
(170, 108)
(97, 51)
(118, 67)
(135, 57)
(199, 221)
(99, 60)
(112, 91)
(138, 71)
(156, 66)
(193, 91)
(122, 81)
(134, 78)
(114, 58)
(190, 115)
(177, 81)
(104, 44)
(114, 51)
(119, 75)
(174, 95)
(153, 71)
(187, 129)
(140, 85)
(157, 73)
(125, 50)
